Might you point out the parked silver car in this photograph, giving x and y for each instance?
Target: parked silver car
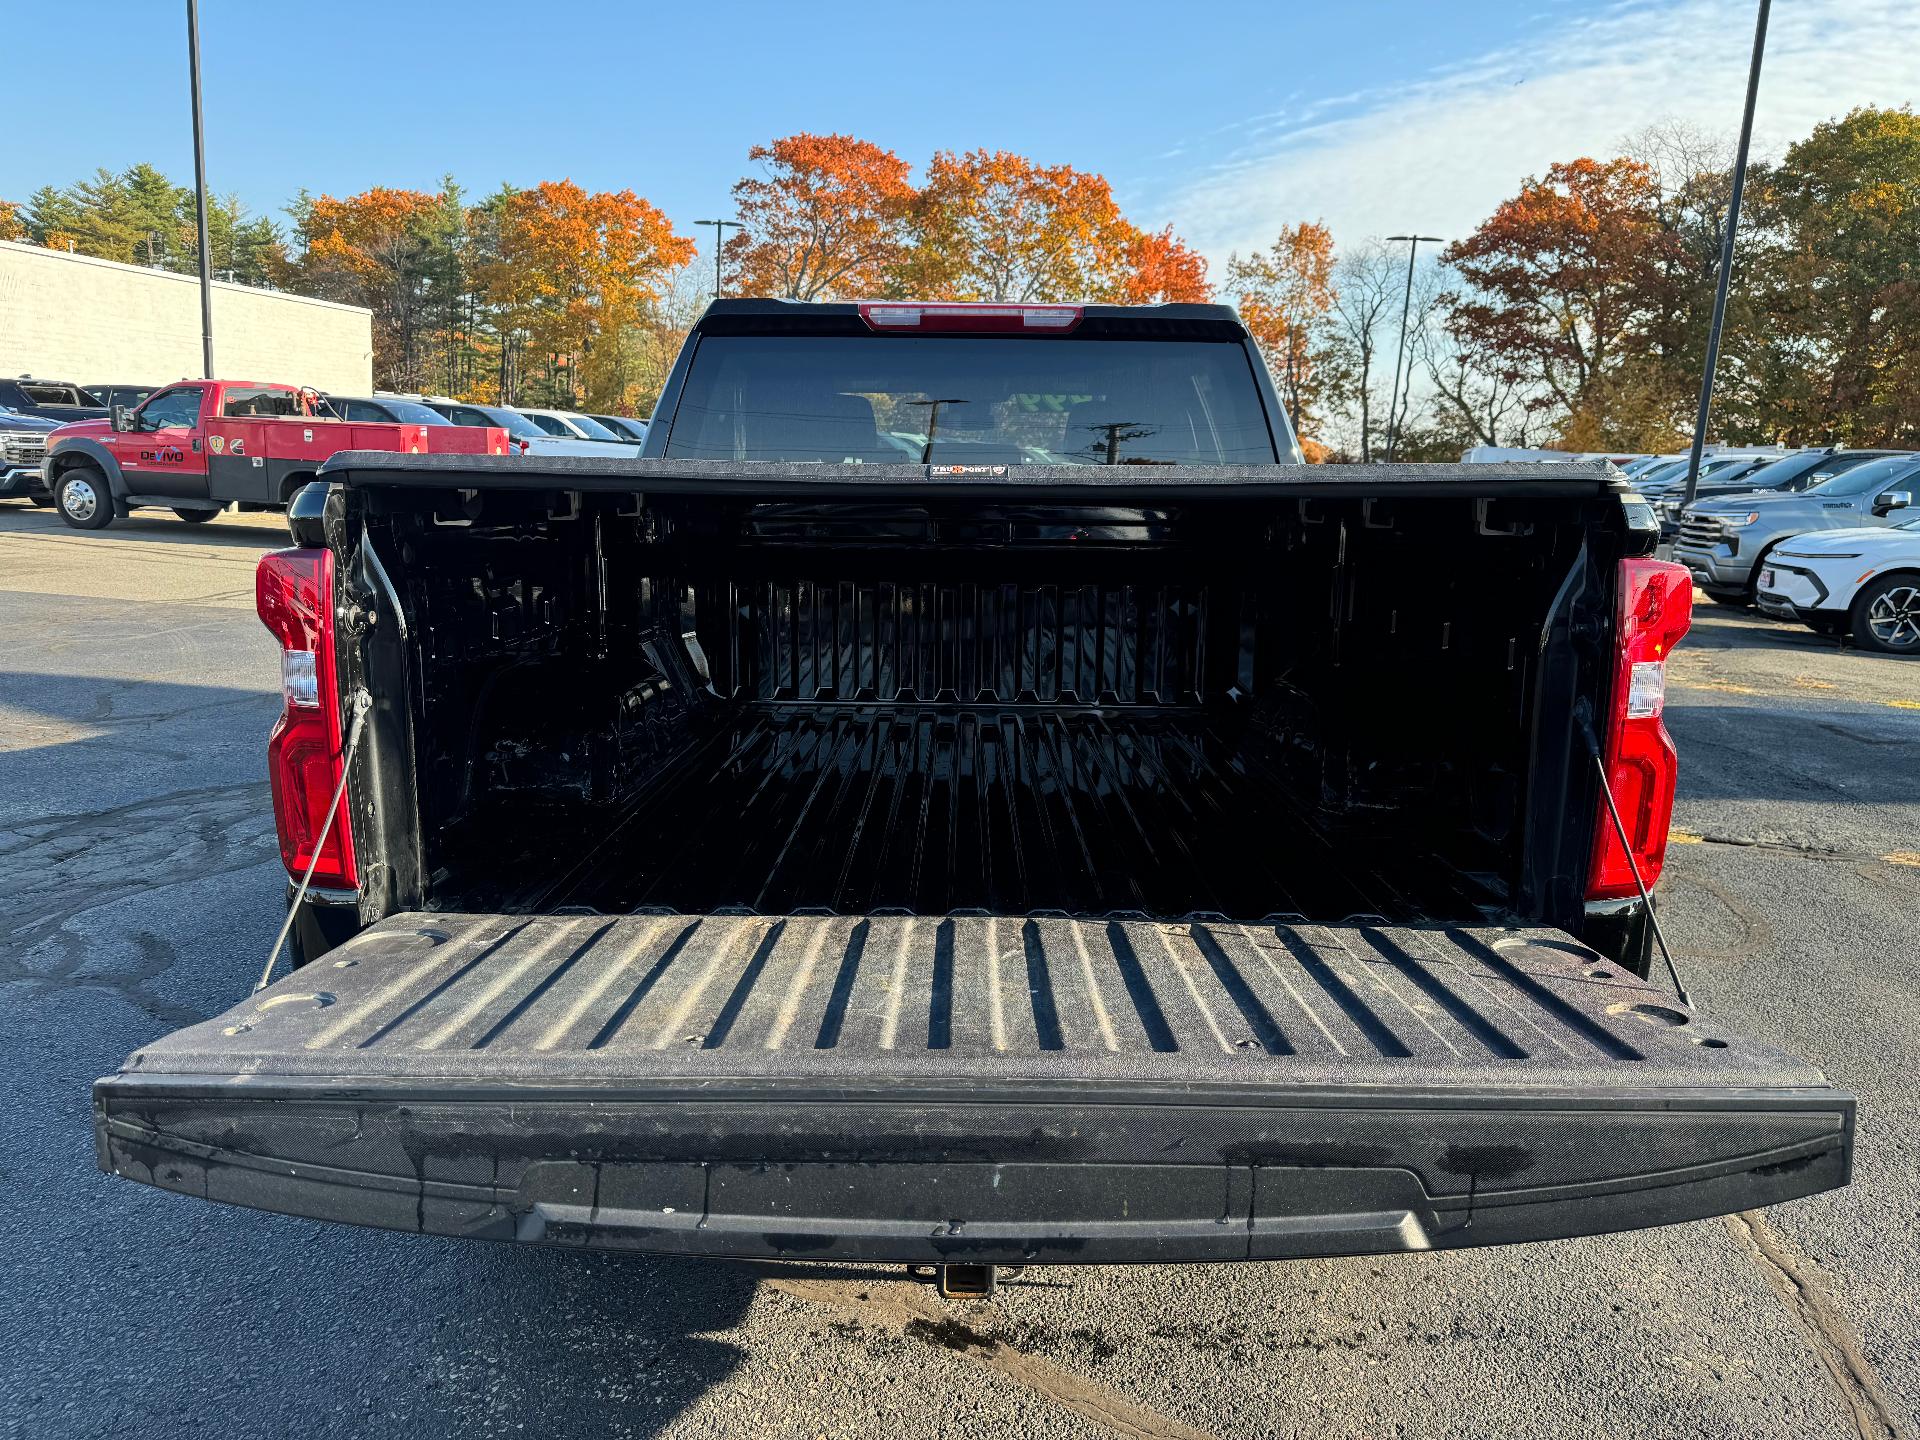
(523, 435)
(1724, 542)
(23, 443)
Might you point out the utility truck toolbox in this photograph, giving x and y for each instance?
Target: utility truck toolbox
(968, 795)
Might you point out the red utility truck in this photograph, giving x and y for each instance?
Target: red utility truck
(199, 445)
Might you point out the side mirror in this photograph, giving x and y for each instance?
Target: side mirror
(122, 418)
(1888, 501)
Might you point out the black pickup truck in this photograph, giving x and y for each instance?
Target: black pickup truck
(968, 796)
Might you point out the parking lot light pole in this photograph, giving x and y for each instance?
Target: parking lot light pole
(720, 228)
(1400, 354)
(1692, 486)
(200, 188)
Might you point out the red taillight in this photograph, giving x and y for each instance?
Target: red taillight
(293, 590)
(970, 317)
(1656, 607)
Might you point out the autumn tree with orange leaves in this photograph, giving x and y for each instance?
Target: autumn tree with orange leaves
(388, 250)
(1566, 282)
(991, 225)
(1159, 267)
(828, 219)
(1285, 294)
(12, 227)
(572, 278)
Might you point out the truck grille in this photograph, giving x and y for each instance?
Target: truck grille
(22, 449)
(1696, 530)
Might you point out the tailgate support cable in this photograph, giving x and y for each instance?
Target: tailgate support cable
(362, 702)
(1626, 848)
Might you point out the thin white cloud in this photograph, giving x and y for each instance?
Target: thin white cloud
(1440, 153)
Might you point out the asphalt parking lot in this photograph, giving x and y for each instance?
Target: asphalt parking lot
(140, 888)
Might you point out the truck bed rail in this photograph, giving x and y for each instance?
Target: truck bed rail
(1130, 483)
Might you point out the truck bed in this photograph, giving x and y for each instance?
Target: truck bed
(971, 1086)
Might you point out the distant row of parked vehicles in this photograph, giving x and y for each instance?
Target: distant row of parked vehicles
(1825, 536)
(533, 431)
(197, 446)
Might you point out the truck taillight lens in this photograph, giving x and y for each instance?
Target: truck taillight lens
(293, 590)
(1656, 607)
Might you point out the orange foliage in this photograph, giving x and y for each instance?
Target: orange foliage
(376, 249)
(11, 226)
(995, 226)
(575, 271)
(992, 225)
(828, 220)
(1160, 267)
(367, 233)
(1569, 275)
(1285, 294)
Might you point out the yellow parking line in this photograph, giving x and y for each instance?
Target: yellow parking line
(1684, 837)
(1903, 857)
(1727, 687)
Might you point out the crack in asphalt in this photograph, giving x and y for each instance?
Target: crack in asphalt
(82, 863)
(79, 823)
(1801, 1285)
(1778, 847)
(906, 1309)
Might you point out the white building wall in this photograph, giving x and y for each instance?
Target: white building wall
(75, 318)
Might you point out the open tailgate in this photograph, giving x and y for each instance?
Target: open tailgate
(971, 1088)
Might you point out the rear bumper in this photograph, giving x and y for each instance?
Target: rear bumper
(1037, 1174)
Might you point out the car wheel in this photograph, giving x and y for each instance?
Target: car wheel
(82, 498)
(1886, 615)
(197, 517)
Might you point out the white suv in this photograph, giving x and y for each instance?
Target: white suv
(1860, 582)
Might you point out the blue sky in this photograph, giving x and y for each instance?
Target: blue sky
(1223, 119)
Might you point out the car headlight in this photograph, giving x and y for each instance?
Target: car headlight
(1734, 522)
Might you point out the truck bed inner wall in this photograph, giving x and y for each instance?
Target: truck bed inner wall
(1249, 708)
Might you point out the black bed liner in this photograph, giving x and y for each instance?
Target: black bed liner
(971, 1086)
(1131, 484)
(1015, 809)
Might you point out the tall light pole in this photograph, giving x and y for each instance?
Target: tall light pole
(200, 188)
(720, 228)
(1400, 354)
(1692, 487)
